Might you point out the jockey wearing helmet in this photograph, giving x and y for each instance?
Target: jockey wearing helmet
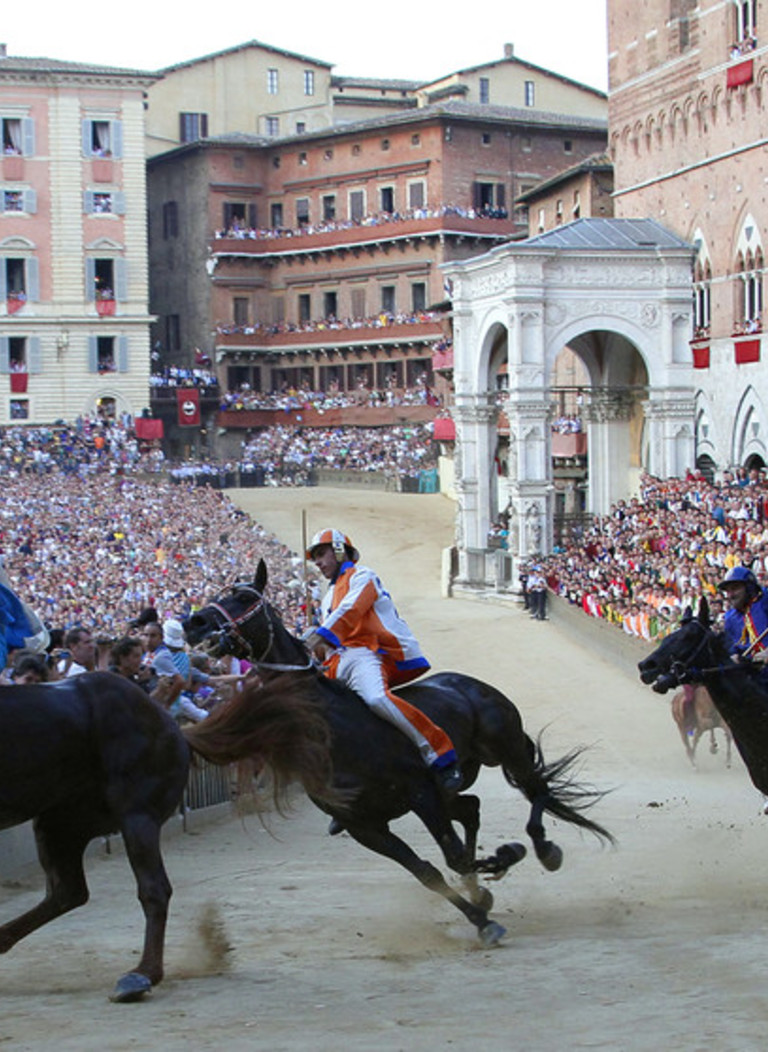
(364, 642)
(746, 621)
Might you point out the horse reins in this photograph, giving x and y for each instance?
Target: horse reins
(232, 626)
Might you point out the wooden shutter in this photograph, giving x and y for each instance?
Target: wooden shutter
(116, 138)
(34, 355)
(28, 136)
(121, 280)
(90, 280)
(122, 354)
(29, 201)
(5, 355)
(32, 279)
(93, 354)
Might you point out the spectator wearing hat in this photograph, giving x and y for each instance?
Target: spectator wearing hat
(165, 682)
(183, 707)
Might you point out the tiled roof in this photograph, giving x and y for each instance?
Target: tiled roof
(608, 235)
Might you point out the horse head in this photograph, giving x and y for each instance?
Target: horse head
(228, 624)
(240, 621)
(671, 663)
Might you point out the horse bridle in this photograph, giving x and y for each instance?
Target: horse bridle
(231, 629)
(685, 671)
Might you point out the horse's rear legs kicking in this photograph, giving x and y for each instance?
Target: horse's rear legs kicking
(384, 842)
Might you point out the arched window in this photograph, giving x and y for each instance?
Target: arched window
(749, 279)
(702, 286)
(746, 25)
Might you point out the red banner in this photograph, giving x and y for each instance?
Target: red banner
(701, 356)
(741, 74)
(747, 351)
(188, 406)
(19, 383)
(148, 429)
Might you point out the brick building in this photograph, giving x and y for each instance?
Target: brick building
(687, 104)
(74, 327)
(316, 258)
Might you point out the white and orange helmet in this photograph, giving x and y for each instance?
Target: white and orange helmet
(342, 546)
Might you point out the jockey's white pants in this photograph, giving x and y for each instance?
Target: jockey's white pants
(363, 671)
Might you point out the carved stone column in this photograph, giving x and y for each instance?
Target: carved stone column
(475, 416)
(670, 425)
(608, 412)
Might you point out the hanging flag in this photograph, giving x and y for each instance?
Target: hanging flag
(188, 406)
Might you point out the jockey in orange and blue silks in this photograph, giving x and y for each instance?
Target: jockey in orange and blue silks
(364, 642)
(745, 625)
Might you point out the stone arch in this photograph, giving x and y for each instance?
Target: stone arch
(706, 434)
(18, 243)
(750, 429)
(628, 317)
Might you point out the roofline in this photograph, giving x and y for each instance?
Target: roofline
(520, 62)
(589, 164)
(243, 47)
(75, 69)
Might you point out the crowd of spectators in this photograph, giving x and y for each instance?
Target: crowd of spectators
(240, 231)
(330, 323)
(290, 455)
(87, 446)
(640, 566)
(292, 398)
(98, 550)
(178, 376)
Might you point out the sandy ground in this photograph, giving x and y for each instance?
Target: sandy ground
(659, 944)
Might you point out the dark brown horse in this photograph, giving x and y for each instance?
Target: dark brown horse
(695, 714)
(694, 653)
(92, 755)
(380, 771)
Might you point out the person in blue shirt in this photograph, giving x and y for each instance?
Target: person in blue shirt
(745, 626)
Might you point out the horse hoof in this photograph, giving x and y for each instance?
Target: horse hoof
(130, 987)
(510, 854)
(491, 933)
(551, 858)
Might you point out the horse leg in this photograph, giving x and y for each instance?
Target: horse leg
(695, 743)
(547, 852)
(60, 849)
(728, 741)
(712, 742)
(141, 835)
(466, 811)
(381, 840)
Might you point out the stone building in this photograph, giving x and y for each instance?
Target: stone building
(687, 101)
(74, 327)
(579, 192)
(252, 88)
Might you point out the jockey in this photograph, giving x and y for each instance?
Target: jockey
(746, 621)
(363, 642)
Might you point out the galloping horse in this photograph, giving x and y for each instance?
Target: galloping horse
(695, 714)
(696, 654)
(92, 755)
(379, 771)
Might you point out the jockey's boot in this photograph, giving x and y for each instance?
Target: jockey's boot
(335, 827)
(449, 777)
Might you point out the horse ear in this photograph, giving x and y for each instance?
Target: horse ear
(687, 616)
(704, 617)
(260, 580)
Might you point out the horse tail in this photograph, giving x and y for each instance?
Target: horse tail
(277, 724)
(552, 787)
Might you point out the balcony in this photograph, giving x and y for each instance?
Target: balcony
(354, 238)
(329, 334)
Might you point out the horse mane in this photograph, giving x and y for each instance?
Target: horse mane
(279, 725)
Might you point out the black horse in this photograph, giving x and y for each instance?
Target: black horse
(379, 771)
(694, 653)
(92, 755)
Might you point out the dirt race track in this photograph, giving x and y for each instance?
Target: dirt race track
(659, 944)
